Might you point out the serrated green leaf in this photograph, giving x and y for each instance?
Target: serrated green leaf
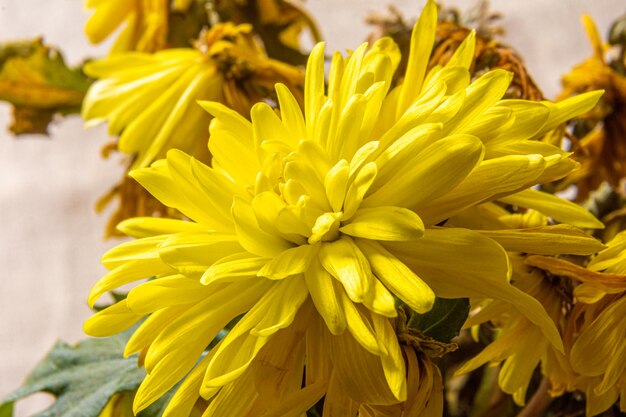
(36, 81)
(444, 321)
(82, 377)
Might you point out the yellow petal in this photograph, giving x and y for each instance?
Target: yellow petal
(297, 403)
(546, 240)
(150, 328)
(125, 274)
(492, 177)
(569, 108)
(314, 87)
(327, 301)
(111, 320)
(422, 40)
(235, 267)
(251, 237)
(358, 188)
(430, 258)
(384, 223)
(280, 314)
(592, 352)
(432, 173)
(344, 261)
(293, 261)
(393, 361)
(241, 344)
(139, 249)
(192, 253)
(164, 292)
(398, 277)
(338, 402)
(336, 183)
(140, 227)
(464, 55)
(358, 372)
(278, 368)
(187, 394)
(483, 93)
(290, 112)
(194, 329)
(556, 207)
(360, 327)
(267, 127)
(529, 118)
(164, 376)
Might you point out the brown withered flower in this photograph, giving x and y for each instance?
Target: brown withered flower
(453, 27)
(599, 136)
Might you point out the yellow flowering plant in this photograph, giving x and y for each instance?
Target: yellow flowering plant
(374, 234)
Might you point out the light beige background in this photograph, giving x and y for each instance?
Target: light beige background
(50, 238)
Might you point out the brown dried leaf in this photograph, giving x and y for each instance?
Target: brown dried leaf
(36, 81)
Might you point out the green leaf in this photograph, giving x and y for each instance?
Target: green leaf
(444, 321)
(36, 81)
(82, 377)
(6, 409)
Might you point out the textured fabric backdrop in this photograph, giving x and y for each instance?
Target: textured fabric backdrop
(50, 237)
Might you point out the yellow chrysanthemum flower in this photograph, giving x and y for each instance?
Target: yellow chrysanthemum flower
(323, 217)
(144, 23)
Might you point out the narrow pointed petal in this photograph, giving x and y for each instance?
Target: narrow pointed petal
(344, 261)
(360, 327)
(293, 261)
(111, 320)
(555, 207)
(546, 240)
(140, 227)
(327, 301)
(314, 87)
(385, 223)
(435, 171)
(126, 274)
(280, 314)
(422, 40)
(393, 362)
(233, 268)
(430, 258)
(398, 277)
(357, 371)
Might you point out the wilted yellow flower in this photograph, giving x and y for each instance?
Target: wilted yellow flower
(598, 352)
(280, 23)
(600, 135)
(144, 23)
(150, 99)
(323, 216)
(520, 345)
